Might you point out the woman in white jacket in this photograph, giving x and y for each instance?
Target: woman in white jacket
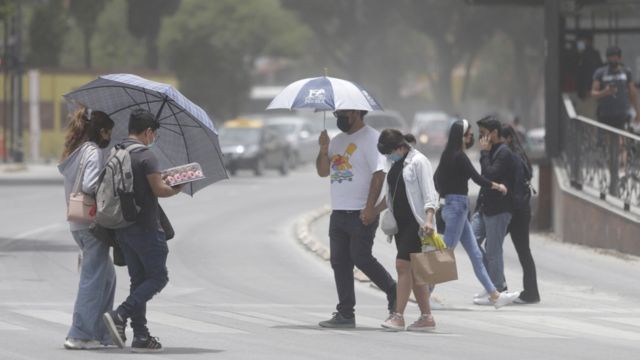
(412, 199)
(88, 132)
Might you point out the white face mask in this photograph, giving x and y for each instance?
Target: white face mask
(581, 45)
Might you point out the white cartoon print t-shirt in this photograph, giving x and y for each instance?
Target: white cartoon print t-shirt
(353, 159)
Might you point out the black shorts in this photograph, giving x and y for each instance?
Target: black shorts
(407, 240)
(617, 121)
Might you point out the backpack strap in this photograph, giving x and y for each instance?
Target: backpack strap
(133, 147)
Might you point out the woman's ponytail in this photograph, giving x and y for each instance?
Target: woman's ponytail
(77, 127)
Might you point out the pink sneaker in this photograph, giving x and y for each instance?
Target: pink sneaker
(394, 322)
(424, 323)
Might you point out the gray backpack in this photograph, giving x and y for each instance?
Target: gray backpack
(115, 201)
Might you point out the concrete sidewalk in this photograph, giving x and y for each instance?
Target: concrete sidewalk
(30, 174)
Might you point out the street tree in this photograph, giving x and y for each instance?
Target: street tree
(47, 30)
(212, 47)
(86, 13)
(457, 32)
(144, 21)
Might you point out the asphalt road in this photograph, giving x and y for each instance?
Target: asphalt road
(241, 287)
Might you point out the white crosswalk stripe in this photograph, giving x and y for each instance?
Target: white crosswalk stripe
(10, 327)
(54, 316)
(575, 327)
(633, 321)
(295, 325)
(491, 326)
(514, 324)
(192, 325)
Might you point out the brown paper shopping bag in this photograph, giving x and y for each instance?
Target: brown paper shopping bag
(434, 267)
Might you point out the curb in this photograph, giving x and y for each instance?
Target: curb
(305, 238)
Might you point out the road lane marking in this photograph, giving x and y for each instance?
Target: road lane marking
(489, 325)
(275, 321)
(244, 318)
(54, 316)
(11, 327)
(578, 327)
(633, 321)
(192, 325)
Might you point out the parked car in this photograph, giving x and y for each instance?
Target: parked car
(246, 143)
(387, 119)
(299, 132)
(431, 129)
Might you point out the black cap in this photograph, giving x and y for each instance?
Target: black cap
(614, 50)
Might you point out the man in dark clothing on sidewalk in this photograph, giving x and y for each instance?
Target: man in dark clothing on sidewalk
(491, 220)
(143, 243)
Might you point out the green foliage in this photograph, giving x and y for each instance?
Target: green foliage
(212, 46)
(144, 21)
(113, 48)
(86, 13)
(47, 29)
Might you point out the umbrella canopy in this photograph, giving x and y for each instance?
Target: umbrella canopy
(324, 94)
(186, 132)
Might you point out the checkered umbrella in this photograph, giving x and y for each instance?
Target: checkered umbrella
(186, 132)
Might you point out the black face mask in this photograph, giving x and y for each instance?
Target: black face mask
(343, 123)
(469, 144)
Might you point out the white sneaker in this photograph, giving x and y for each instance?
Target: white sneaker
(79, 344)
(482, 294)
(484, 301)
(505, 298)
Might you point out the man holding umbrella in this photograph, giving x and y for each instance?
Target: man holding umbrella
(355, 167)
(143, 244)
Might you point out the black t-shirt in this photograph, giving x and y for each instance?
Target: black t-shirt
(143, 163)
(497, 165)
(618, 104)
(454, 178)
(401, 208)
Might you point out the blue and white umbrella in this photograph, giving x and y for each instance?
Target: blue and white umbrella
(324, 94)
(186, 132)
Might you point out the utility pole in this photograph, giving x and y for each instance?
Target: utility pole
(18, 152)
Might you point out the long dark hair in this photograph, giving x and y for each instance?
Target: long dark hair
(455, 145)
(84, 125)
(507, 131)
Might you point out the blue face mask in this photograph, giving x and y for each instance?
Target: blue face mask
(393, 157)
(154, 142)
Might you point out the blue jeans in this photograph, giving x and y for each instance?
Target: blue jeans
(458, 229)
(146, 255)
(493, 229)
(96, 289)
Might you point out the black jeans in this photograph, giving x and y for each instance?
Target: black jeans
(351, 243)
(519, 229)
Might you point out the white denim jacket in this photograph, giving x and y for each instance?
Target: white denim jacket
(418, 178)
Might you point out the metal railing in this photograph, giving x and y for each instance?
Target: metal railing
(601, 160)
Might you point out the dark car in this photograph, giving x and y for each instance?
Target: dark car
(249, 144)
